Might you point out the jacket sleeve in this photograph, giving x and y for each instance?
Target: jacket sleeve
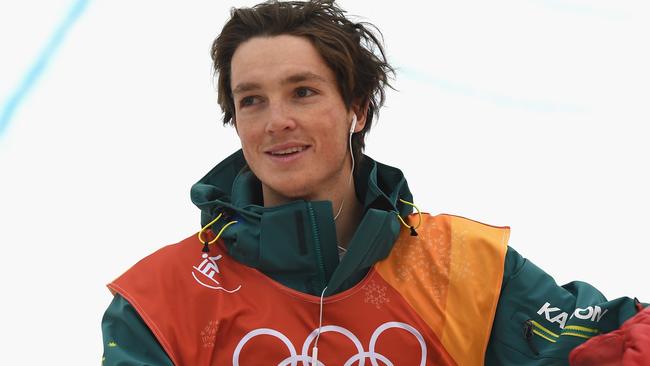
(127, 339)
(538, 322)
(627, 346)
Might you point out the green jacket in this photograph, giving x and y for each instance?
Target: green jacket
(537, 322)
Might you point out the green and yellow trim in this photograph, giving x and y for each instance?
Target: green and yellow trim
(579, 331)
(544, 332)
(569, 330)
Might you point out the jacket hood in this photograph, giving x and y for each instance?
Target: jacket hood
(295, 243)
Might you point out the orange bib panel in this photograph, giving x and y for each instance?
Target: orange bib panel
(430, 302)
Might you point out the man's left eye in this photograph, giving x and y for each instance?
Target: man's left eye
(304, 92)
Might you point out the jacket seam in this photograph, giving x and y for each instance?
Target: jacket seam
(493, 310)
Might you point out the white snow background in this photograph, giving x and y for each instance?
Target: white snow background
(527, 113)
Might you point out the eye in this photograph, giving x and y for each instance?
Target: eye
(303, 92)
(248, 101)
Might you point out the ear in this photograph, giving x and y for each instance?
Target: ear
(361, 111)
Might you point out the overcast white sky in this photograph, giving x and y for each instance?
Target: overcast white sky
(527, 113)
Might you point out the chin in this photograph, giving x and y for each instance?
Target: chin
(290, 190)
(294, 191)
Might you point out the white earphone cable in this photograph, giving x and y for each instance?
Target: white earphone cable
(351, 171)
(314, 351)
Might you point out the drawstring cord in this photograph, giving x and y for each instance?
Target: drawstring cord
(413, 232)
(314, 351)
(206, 244)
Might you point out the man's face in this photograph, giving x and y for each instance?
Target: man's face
(291, 119)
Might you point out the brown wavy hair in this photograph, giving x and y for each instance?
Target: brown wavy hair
(352, 50)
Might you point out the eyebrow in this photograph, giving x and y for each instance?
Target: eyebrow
(292, 79)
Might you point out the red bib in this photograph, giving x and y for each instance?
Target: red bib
(430, 302)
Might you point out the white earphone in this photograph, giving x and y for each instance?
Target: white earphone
(354, 123)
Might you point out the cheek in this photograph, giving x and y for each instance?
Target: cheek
(337, 141)
(249, 146)
(247, 137)
(332, 127)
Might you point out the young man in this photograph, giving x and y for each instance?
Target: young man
(310, 251)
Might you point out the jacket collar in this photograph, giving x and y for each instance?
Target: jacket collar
(295, 243)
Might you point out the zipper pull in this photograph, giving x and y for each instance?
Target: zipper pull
(528, 334)
(637, 305)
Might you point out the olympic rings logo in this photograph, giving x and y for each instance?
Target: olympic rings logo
(360, 357)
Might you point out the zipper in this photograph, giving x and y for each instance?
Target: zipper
(319, 254)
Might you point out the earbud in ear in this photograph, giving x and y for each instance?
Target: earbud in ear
(354, 123)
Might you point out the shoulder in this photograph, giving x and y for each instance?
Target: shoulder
(158, 288)
(172, 253)
(453, 243)
(161, 261)
(462, 222)
(180, 268)
(462, 230)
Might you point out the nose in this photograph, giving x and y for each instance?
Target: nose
(279, 119)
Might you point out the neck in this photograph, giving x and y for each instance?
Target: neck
(349, 218)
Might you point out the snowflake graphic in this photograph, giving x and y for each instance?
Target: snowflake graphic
(437, 291)
(414, 260)
(462, 267)
(209, 333)
(375, 294)
(426, 260)
(423, 259)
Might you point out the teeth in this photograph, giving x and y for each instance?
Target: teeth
(288, 151)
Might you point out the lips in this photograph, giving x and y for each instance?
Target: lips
(288, 148)
(287, 151)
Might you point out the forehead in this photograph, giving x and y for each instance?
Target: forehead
(274, 59)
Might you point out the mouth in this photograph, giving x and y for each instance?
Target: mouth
(287, 153)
